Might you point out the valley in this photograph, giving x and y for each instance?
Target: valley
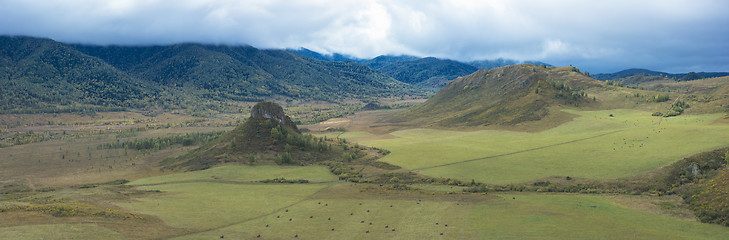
(514, 152)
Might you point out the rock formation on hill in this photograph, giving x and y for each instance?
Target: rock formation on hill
(268, 136)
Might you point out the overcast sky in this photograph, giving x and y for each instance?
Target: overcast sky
(597, 36)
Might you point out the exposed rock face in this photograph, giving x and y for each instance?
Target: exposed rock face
(271, 110)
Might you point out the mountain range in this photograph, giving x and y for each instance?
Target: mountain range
(42, 75)
(635, 76)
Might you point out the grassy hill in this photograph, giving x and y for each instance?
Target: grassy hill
(505, 95)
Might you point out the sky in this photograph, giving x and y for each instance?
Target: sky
(597, 36)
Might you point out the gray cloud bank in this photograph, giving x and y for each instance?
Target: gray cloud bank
(598, 36)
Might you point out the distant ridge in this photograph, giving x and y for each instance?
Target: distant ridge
(635, 76)
(424, 72)
(330, 57)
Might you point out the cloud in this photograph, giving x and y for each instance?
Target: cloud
(605, 35)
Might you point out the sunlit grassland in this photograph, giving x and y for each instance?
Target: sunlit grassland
(282, 211)
(244, 174)
(347, 135)
(58, 231)
(567, 216)
(593, 145)
(224, 202)
(207, 205)
(529, 216)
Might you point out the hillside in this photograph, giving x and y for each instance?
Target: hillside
(268, 136)
(40, 74)
(423, 72)
(489, 64)
(247, 73)
(505, 96)
(324, 57)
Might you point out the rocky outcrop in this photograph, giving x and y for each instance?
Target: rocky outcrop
(271, 110)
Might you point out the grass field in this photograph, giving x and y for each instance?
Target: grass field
(594, 146)
(239, 173)
(310, 211)
(59, 231)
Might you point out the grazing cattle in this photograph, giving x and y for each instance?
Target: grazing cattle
(297, 235)
(362, 221)
(332, 229)
(393, 229)
(370, 223)
(441, 234)
(319, 203)
(386, 226)
(287, 210)
(446, 225)
(326, 204)
(259, 236)
(311, 216)
(278, 216)
(329, 218)
(390, 205)
(368, 210)
(436, 223)
(221, 236)
(290, 219)
(266, 225)
(368, 231)
(350, 214)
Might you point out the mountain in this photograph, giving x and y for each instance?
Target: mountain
(636, 76)
(424, 72)
(268, 136)
(330, 57)
(384, 60)
(41, 74)
(243, 71)
(505, 95)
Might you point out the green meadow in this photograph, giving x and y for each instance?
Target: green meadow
(238, 173)
(340, 211)
(59, 231)
(594, 145)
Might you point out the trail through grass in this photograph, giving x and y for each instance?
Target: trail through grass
(593, 145)
(282, 211)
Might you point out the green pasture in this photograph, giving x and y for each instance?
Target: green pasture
(593, 145)
(239, 173)
(529, 216)
(281, 211)
(205, 205)
(58, 231)
(347, 135)
(566, 216)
